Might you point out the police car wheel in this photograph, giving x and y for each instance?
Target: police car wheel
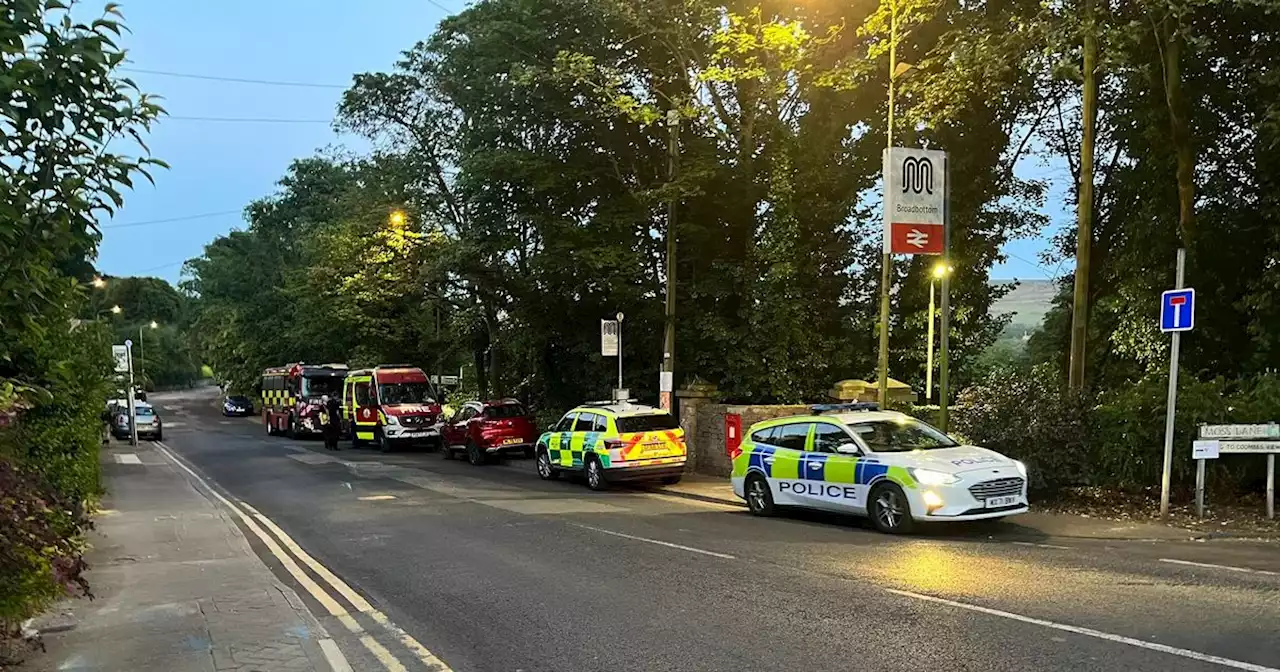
(890, 512)
(545, 471)
(759, 497)
(595, 474)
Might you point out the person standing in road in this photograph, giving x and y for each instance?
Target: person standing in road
(332, 422)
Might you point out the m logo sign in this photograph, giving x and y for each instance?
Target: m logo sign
(914, 201)
(917, 175)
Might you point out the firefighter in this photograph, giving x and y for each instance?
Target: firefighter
(332, 422)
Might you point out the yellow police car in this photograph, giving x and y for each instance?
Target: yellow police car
(613, 441)
(886, 465)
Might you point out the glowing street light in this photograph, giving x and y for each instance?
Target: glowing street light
(154, 324)
(940, 271)
(117, 310)
(98, 282)
(397, 219)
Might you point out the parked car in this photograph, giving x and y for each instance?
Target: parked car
(489, 429)
(237, 405)
(149, 423)
(609, 441)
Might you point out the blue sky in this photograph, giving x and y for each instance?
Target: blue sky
(218, 167)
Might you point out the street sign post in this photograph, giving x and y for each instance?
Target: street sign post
(133, 404)
(1177, 314)
(121, 355)
(1256, 439)
(611, 342)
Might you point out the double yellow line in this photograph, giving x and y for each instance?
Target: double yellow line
(255, 522)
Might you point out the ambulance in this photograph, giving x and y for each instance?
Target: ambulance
(391, 406)
(886, 465)
(613, 441)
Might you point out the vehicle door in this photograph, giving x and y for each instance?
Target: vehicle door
(831, 475)
(582, 428)
(464, 428)
(366, 409)
(558, 440)
(782, 464)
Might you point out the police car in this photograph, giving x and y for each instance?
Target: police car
(886, 465)
(613, 441)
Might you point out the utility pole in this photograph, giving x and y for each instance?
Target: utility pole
(669, 332)
(1084, 207)
(886, 270)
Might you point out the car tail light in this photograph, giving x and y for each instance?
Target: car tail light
(612, 444)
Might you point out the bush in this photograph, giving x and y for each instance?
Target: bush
(1030, 417)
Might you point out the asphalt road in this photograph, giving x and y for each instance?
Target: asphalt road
(489, 568)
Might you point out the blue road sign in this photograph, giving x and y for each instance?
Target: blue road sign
(1178, 310)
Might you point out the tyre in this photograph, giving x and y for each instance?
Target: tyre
(159, 436)
(671, 480)
(474, 455)
(759, 496)
(266, 422)
(889, 509)
(545, 471)
(528, 452)
(381, 440)
(595, 474)
(292, 432)
(446, 451)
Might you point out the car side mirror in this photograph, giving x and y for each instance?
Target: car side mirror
(848, 449)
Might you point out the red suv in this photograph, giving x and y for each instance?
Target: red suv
(490, 429)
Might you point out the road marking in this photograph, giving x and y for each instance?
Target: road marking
(376, 498)
(127, 458)
(1089, 632)
(1028, 543)
(668, 544)
(334, 655)
(331, 605)
(1229, 568)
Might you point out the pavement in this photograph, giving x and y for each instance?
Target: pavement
(412, 562)
(176, 586)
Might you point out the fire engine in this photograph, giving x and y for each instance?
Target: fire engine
(292, 396)
(390, 406)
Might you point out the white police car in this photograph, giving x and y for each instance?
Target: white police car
(887, 465)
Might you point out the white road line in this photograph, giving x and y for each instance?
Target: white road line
(668, 544)
(1028, 543)
(127, 458)
(376, 498)
(1089, 632)
(1229, 568)
(333, 654)
(331, 605)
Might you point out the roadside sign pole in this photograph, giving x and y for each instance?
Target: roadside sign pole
(619, 351)
(1271, 485)
(944, 377)
(1200, 488)
(1172, 402)
(133, 408)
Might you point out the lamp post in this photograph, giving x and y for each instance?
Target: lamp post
(940, 271)
(142, 360)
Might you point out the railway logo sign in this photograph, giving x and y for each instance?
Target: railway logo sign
(914, 201)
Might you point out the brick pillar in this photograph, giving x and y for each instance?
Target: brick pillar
(690, 400)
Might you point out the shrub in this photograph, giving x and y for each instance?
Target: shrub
(1031, 417)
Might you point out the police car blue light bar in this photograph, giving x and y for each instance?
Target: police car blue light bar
(819, 409)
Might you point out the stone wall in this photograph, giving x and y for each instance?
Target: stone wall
(704, 431)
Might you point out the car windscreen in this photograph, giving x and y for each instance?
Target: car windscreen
(405, 393)
(144, 412)
(321, 385)
(238, 399)
(896, 436)
(504, 411)
(653, 422)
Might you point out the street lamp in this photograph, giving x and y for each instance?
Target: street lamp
(397, 219)
(142, 361)
(98, 282)
(117, 310)
(940, 271)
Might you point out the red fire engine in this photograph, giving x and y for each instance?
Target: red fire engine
(292, 396)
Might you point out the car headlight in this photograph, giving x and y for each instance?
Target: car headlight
(1022, 467)
(929, 477)
(391, 420)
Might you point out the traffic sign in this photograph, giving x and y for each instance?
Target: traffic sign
(915, 188)
(1178, 310)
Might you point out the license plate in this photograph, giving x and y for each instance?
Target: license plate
(512, 442)
(654, 449)
(996, 502)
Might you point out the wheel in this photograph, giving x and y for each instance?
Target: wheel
(266, 422)
(446, 452)
(292, 432)
(159, 436)
(528, 452)
(474, 455)
(671, 480)
(759, 496)
(545, 471)
(890, 513)
(595, 474)
(381, 440)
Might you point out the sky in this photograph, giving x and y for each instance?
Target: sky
(218, 167)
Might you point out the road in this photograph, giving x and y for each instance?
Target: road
(414, 562)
